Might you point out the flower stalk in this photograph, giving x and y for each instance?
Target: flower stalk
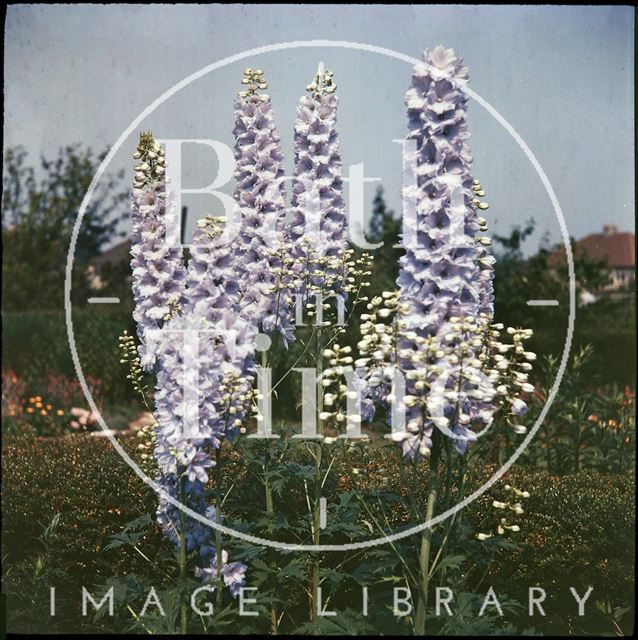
(426, 535)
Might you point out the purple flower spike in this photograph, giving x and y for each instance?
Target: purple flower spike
(446, 274)
(200, 346)
(319, 226)
(439, 274)
(266, 295)
(158, 267)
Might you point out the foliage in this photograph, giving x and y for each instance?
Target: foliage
(574, 534)
(584, 428)
(81, 478)
(37, 219)
(27, 584)
(36, 348)
(385, 227)
(566, 520)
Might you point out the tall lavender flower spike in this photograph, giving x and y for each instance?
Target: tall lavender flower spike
(438, 277)
(266, 296)
(158, 268)
(217, 355)
(445, 273)
(319, 225)
(214, 271)
(190, 429)
(218, 360)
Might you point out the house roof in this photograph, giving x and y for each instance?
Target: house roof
(617, 248)
(120, 251)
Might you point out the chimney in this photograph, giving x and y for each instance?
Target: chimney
(183, 225)
(610, 229)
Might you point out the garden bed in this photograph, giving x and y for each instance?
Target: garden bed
(565, 539)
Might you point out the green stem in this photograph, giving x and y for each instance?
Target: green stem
(453, 521)
(316, 515)
(270, 508)
(218, 520)
(182, 556)
(426, 536)
(316, 522)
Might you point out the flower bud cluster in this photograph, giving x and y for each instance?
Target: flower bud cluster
(485, 261)
(455, 382)
(152, 161)
(342, 387)
(254, 80)
(147, 436)
(512, 504)
(131, 358)
(514, 364)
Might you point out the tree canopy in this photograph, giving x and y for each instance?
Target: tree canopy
(39, 210)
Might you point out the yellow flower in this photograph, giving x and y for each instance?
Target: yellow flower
(59, 412)
(38, 405)
(31, 399)
(43, 412)
(30, 409)
(49, 407)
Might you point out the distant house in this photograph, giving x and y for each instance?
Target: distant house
(117, 253)
(616, 248)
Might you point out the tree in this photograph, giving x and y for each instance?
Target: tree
(37, 221)
(385, 228)
(541, 276)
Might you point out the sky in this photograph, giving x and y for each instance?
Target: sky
(561, 76)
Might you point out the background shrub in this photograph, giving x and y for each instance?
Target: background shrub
(574, 532)
(35, 346)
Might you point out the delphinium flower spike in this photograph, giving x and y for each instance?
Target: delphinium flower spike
(438, 330)
(201, 349)
(319, 225)
(157, 263)
(439, 277)
(266, 295)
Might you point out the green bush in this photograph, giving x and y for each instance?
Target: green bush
(576, 530)
(36, 345)
(608, 326)
(85, 480)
